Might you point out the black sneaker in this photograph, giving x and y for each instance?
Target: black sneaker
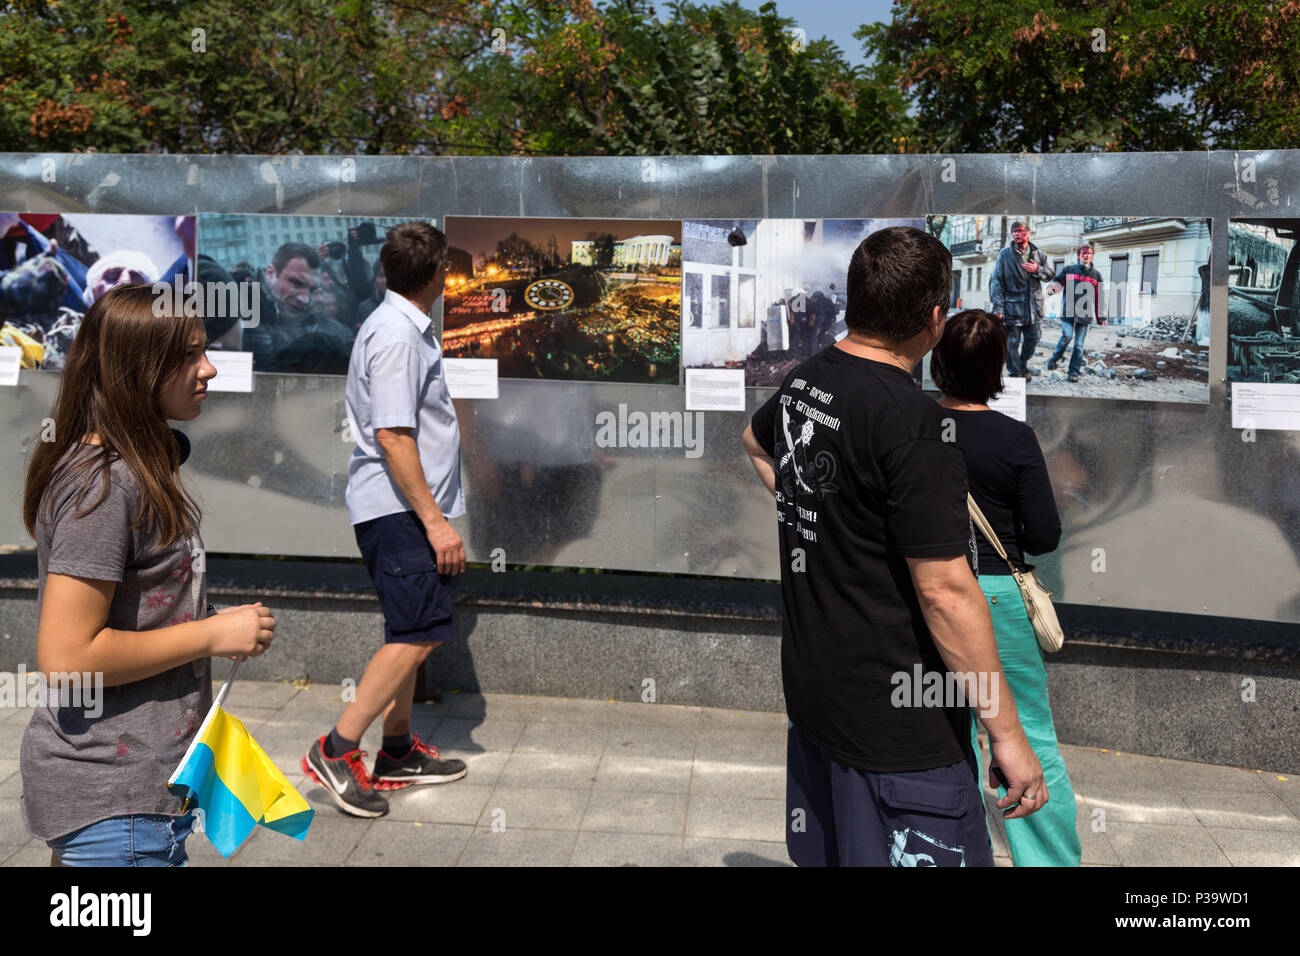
(1051, 366)
(422, 765)
(345, 780)
(1072, 378)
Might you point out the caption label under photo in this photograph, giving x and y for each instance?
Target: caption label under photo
(1267, 406)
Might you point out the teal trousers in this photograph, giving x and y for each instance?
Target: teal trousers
(1048, 837)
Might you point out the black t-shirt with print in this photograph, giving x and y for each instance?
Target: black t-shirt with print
(865, 479)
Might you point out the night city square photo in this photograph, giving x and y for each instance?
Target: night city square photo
(568, 299)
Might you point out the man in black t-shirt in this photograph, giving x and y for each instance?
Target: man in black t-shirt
(881, 610)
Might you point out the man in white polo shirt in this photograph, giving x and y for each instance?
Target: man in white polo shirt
(403, 485)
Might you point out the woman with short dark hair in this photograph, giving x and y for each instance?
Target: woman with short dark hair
(1008, 480)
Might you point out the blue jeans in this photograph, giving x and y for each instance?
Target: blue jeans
(1021, 342)
(1079, 332)
(137, 840)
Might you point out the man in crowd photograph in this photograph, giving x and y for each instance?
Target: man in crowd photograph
(1016, 291)
(1081, 305)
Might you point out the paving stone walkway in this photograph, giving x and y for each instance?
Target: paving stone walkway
(602, 783)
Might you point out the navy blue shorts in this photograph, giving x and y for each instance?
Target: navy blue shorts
(415, 598)
(840, 816)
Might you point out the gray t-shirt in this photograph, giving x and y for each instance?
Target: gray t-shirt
(80, 766)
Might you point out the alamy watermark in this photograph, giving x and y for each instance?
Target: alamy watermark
(921, 688)
(656, 429)
(212, 300)
(35, 689)
(74, 908)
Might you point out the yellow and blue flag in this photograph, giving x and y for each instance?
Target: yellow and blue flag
(235, 784)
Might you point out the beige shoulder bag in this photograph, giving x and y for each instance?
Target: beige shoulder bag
(1038, 600)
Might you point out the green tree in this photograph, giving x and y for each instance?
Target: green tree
(1241, 60)
(242, 77)
(443, 76)
(1007, 75)
(617, 80)
(573, 77)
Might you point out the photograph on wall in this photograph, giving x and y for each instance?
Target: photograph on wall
(54, 266)
(1094, 307)
(765, 294)
(567, 299)
(292, 290)
(1264, 300)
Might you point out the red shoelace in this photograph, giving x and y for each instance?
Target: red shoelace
(419, 745)
(357, 764)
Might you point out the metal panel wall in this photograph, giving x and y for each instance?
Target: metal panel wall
(1182, 513)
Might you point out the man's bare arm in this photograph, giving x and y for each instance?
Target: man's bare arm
(762, 462)
(958, 617)
(403, 459)
(957, 613)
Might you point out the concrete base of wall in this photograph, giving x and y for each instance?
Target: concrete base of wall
(1202, 689)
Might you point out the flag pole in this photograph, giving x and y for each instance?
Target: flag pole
(230, 679)
(216, 705)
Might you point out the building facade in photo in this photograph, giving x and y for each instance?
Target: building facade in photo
(1152, 267)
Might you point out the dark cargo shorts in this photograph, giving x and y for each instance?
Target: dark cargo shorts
(415, 598)
(841, 816)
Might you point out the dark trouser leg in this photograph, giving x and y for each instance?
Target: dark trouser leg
(1033, 332)
(1013, 349)
(809, 813)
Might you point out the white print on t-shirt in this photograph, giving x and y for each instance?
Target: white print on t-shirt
(802, 473)
(792, 457)
(814, 392)
(914, 848)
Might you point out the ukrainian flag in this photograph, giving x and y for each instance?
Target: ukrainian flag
(235, 784)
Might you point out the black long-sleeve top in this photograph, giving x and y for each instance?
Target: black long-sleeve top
(1009, 481)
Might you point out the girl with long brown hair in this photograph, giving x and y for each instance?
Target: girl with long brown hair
(122, 597)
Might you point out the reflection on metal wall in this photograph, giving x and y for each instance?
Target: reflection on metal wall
(1164, 506)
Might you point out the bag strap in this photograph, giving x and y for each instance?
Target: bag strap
(986, 529)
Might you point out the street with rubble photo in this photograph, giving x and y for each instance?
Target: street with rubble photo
(1124, 363)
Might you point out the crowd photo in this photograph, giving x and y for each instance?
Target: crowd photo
(317, 278)
(54, 267)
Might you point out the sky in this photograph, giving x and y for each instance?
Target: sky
(832, 19)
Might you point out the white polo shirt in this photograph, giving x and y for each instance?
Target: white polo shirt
(395, 380)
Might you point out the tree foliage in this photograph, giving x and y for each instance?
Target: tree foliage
(576, 79)
(618, 77)
(234, 77)
(1006, 75)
